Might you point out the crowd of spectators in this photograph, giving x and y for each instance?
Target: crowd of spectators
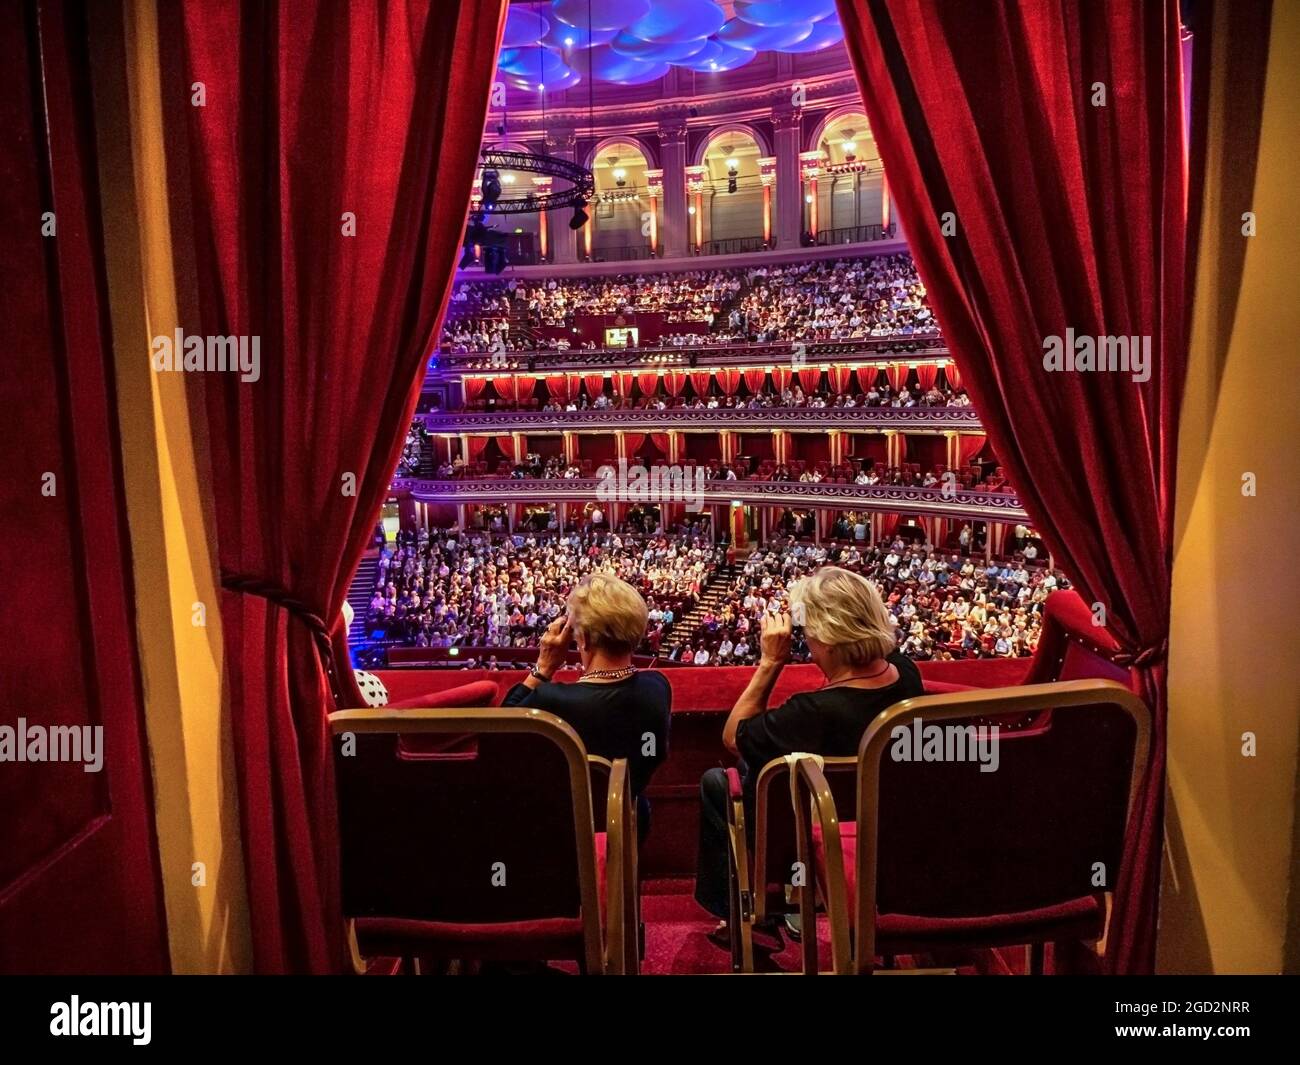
(453, 589)
(824, 300)
(793, 395)
(942, 606)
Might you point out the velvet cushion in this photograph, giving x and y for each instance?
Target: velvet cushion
(1081, 918)
(477, 693)
(549, 938)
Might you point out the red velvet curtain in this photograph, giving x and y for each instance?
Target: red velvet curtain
(648, 383)
(660, 441)
(896, 375)
(1069, 216)
(506, 388)
(867, 377)
(953, 375)
(632, 444)
(674, 382)
(474, 387)
(781, 376)
(524, 386)
(558, 387)
(700, 382)
(926, 375)
(477, 445)
(621, 380)
(839, 378)
(754, 380)
(728, 381)
(595, 385)
(968, 446)
(506, 445)
(323, 203)
(811, 378)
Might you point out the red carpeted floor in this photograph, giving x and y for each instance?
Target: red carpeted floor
(677, 943)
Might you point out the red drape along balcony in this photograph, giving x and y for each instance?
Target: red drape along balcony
(1031, 209)
(324, 198)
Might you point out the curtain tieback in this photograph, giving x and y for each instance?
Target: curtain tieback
(1148, 656)
(245, 584)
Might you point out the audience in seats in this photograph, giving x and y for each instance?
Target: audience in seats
(851, 638)
(449, 589)
(617, 710)
(794, 395)
(841, 299)
(938, 606)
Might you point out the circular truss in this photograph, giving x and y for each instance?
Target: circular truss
(582, 183)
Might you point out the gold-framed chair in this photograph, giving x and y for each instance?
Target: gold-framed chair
(766, 886)
(1036, 846)
(485, 847)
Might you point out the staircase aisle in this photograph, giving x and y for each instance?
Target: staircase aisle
(359, 593)
(714, 596)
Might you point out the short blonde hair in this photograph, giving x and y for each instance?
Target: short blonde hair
(609, 612)
(843, 609)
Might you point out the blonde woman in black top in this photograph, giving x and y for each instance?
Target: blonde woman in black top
(852, 642)
(618, 710)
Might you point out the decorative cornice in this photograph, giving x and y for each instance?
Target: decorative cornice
(913, 419)
(977, 505)
(827, 90)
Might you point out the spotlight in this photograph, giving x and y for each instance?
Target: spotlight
(568, 42)
(491, 187)
(579, 218)
(620, 177)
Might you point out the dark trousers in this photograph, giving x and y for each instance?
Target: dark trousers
(713, 866)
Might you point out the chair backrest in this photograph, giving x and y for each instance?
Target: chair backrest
(500, 831)
(775, 846)
(939, 837)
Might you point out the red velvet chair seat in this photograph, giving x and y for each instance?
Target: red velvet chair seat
(1077, 919)
(552, 937)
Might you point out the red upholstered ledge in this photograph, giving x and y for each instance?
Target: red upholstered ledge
(695, 688)
(428, 695)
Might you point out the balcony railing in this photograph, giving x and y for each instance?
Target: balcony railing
(900, 345)
(978, 504)
(854, 235)
(621, 253)
(794, 419)
(734, 246)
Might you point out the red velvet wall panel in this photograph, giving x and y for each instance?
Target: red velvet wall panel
(79, 879)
